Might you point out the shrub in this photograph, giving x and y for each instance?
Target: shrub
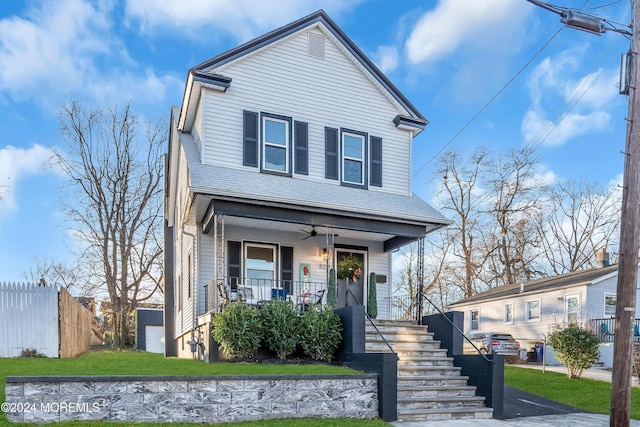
(32, 352)
(372, 299)
(279, 325)
(577, 349)
(237, 330)
(320, 333)
(332, 292)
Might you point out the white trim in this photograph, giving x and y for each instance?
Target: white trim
(566, 307)
(361, 160)
(604, 304)
(274, 249)
(471, 310)
(265, 143)
(504, 317)
(527, 313)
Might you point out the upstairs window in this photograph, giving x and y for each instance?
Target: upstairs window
(353, 158)
(276, 143)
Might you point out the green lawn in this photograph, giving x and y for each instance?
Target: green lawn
(589, 395)
(141, 363)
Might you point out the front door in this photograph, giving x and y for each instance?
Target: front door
(356, 296)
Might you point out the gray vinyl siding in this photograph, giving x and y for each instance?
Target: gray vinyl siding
(333, 92)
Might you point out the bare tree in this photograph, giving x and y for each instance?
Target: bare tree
(48, 271)
(516, 190)
(406, 284)
(460, 196)
(115, 166)
(579, 219)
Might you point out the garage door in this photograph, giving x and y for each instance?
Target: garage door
(155, 339)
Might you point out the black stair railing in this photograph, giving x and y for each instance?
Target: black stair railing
(444, 316)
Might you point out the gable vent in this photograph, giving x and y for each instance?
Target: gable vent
(316, 45)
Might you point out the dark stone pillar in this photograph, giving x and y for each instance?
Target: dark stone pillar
(353, 337)
(487, 377)
(444, 332)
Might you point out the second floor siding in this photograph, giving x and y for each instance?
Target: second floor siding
(285, 82)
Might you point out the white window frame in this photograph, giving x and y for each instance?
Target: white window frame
(528, 317)
(604, 303)
(508, 321)
(361, 160)
(274, 249)
(566, 308)
(477, 321)
(273, 144)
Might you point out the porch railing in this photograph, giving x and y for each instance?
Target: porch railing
(605, 329)
(258, 291)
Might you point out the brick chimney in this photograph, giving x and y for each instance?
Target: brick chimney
(602, 258)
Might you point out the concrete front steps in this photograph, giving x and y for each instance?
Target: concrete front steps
(429, 386)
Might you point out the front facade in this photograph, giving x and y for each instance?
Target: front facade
(288, 153)
(531, 311)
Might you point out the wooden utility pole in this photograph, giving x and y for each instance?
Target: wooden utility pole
(629, 241)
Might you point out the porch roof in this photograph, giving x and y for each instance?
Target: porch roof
(262, 189)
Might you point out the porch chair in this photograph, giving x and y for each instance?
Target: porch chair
(604, 329)
(306, 300)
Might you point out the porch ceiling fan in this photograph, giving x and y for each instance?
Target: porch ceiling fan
(313, 233)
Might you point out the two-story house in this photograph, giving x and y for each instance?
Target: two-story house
(288, 153)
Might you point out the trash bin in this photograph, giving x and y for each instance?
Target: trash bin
(523, 354)
(540, 351)
(531, 356)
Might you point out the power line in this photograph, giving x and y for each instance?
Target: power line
(489, 102)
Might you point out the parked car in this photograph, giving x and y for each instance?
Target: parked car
(492, 343)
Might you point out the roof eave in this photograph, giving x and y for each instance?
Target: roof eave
(195, 81)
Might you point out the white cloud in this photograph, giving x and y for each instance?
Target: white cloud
(58, 48)
(240, 19)
(461, 23)
(386, 58)
(15, 164)
(579, 103)
(537, 129)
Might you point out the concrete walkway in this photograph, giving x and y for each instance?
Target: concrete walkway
(559, 420)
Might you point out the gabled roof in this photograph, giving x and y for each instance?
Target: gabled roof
(201, 74)
(581, 277)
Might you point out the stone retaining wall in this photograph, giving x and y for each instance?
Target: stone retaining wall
(190, 399)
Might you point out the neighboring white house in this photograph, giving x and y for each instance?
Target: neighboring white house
(288, 153)
(531, 311)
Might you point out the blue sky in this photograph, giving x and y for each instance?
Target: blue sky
(449, 57)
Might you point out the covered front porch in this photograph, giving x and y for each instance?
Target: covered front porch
(257, 253)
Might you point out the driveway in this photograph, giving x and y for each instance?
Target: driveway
(518, 403)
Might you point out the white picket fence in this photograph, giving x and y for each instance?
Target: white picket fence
(28, 319)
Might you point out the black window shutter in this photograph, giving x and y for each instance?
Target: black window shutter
(250, 139)
(233, 264)
(286, 270)
(302, 147)
(331, 153)
(376, 162)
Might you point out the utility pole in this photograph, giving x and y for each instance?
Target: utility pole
(629, 241)
(630, 222)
